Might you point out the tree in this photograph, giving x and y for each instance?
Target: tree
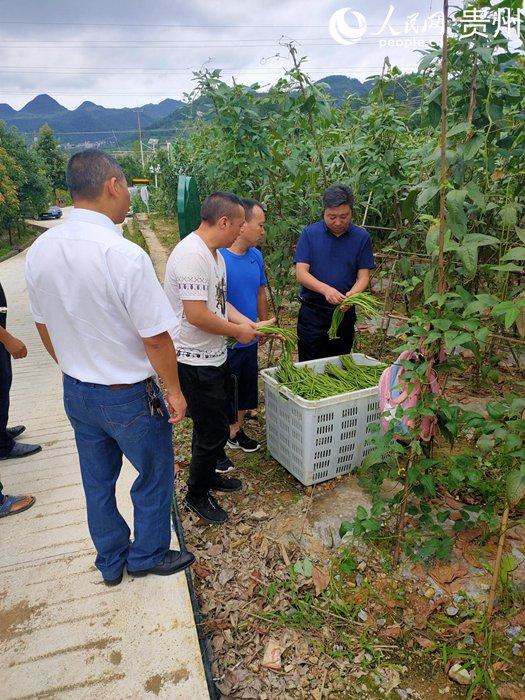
(30, 180)
(9, 201)
(131, 167)
(54, 160)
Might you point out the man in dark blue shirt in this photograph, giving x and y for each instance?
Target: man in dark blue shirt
(333, 260)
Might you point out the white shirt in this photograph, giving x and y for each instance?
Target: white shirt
(193, 274)
(98, 295)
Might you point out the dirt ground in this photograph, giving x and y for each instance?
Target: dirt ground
(372, 633)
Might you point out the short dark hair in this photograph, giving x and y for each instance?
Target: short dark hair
(249, 205)
(219, 204)
(87, 171)
(335, 195)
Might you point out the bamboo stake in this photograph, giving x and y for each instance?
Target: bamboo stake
(497, 563)
(443, 165)
(402, 511)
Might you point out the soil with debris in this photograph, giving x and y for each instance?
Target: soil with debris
(285, 620)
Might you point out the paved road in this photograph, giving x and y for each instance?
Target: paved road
(51, 222)
(63, 634)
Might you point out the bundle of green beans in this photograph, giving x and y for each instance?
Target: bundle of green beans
(290, 338)
(367, 304)
(335, 380)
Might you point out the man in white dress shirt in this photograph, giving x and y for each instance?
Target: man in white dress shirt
(104, 318)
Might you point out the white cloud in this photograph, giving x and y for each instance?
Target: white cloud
(131, 53)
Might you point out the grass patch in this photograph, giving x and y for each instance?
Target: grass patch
(167, 230)
(132, 232)
(20, 240)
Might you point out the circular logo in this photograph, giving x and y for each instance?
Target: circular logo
(341, 32)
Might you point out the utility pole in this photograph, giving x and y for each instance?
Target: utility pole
(140, 140)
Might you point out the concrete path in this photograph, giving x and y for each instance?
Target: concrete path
(158, 253)
(63, 634)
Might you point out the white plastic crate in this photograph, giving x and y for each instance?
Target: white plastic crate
(319, 440)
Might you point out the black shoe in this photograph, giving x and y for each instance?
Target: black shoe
(207, 508)
(242, 442)
(113, 581)
(20, 449)
(225, 483)
(15, 431)
(224, 465)
(173, 562)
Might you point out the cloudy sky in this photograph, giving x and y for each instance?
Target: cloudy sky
(131, 52)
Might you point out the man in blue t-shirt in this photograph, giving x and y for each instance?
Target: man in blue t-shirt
(333, 260)
(246, 291)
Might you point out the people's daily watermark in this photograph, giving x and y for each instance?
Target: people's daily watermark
(348, 26)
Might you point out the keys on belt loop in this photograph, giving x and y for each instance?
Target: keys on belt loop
(153, 400)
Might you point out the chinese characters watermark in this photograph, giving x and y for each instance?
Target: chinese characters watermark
(348, 26)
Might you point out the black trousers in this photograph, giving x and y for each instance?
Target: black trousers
(206, 392)
(312, 333)
(6, 377)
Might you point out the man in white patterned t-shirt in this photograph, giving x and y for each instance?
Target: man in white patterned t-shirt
(195, 283)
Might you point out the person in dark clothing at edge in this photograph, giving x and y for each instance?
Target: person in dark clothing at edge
(10, 347)
(333, 260)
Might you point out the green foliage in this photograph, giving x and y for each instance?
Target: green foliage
(29, 178)
(54, 160)
(131, 166)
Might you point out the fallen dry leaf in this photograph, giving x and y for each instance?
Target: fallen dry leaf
(445, 574)
(201, 570)
(458, 631)
(321, 579)
(425, 643)
(510, 691)
(226, 575)
(391, 632)
(272, 655)
(500, 666)
(418, 570)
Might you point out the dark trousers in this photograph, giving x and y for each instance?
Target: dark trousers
(6, 377)
(206, 392)
(312, 333)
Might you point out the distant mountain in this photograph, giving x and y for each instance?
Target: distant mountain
(6, 111)
(341, 86)
(43, 105)
(89, 122)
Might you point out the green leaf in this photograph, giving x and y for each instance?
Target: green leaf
(427, 60)
(361, 513)
(507, 267)
(508, 564)
(428, 484)
(479, 240)
(511, 316)
(458, 129)
(476, 195)
(516, 486)
(485, 443)
(514, 254)
(434, 113)
(456, 217)
(426, 194)
(431, 241)
(509, 215)
(472, 147)
(345, 527)
(308, 567)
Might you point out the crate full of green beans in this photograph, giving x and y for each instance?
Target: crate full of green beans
(317, 439)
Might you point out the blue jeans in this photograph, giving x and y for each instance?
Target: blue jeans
(109, 423)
